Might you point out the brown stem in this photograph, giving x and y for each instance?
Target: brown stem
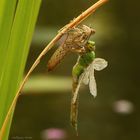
(72, 24)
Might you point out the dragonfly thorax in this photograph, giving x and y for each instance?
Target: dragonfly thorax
(87, 58)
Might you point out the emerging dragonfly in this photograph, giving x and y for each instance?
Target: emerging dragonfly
(83, 72)
(77, 40)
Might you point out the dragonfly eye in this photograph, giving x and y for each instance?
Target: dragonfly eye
(91, 45)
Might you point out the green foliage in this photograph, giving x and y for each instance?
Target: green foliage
(17, 22)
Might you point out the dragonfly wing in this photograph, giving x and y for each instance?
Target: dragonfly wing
(99, 64)
(92, 84)
(57, 57)
(86, 75)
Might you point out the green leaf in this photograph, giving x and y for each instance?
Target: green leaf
(7, 10)
(15, 53)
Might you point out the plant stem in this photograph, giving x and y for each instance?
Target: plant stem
(72, 24)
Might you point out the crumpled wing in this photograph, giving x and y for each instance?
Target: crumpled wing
(57, 57)
(92, 84)
(86, 75)
(99, 64)
(88, 78)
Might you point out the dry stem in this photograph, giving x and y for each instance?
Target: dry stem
(72, 24)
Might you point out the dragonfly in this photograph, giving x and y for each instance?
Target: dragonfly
(73, 40)
(77, 40)
(83, 72)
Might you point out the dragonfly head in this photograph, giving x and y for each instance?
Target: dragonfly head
(91, 45)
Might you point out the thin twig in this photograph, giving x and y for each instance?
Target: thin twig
(72, 24)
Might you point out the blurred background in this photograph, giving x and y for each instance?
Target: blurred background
(43, 110)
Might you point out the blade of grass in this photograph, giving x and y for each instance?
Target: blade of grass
(7, 10)
(21, 35)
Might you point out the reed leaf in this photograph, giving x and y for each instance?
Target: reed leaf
(14, 52)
